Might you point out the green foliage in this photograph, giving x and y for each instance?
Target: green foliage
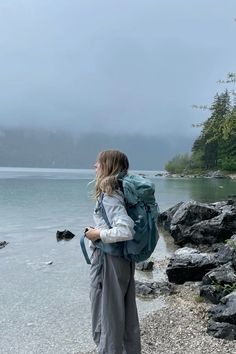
(228, 164)
(215, 148)
(199, 298)
(224, 288)
(231, 244)
(178, 164)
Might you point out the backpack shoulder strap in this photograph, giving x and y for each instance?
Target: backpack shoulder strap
(82, 244)
(103, 211)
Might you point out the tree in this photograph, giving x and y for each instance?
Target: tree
(209, 147)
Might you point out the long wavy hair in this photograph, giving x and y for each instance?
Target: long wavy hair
(113, 163)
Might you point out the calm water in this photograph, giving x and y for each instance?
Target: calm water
(45, 308)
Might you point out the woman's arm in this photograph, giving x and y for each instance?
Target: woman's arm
(122, 225)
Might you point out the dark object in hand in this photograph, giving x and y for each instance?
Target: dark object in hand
(64, 235)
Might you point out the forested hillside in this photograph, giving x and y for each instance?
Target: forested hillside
(215, 148)
(21, 147)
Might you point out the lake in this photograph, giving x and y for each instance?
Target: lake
(44, 308)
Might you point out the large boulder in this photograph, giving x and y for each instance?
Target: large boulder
(199, 223)
(225, 254)
(222, 330)
(223, 318)
(224, 274)
(218, 283)
(188, 264)
(226, 310)
(166, 216)
(231, 243)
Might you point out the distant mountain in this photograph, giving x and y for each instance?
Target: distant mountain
(42, 148)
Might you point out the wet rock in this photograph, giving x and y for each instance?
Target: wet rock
(193, 212)
(165, 217)
(216, 174)
(211, 293)
(144, 266)
(64, 235)
(222, 330)
(199, 223)
(226, 310)
(224, 254)
(224, 274)
(3, 244)
(218, 283)
(153, 288)
(188, 264)
(49, 262)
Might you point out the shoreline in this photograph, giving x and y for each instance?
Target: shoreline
(231, 176)
(180, 327)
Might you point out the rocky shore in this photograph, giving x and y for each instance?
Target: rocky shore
(181, 326)
(199, 315)
(211, 174)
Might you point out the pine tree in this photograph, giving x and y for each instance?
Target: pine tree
(210, 145)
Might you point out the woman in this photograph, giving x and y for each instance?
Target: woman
(115, 324)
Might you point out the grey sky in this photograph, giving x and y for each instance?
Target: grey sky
(127, 65)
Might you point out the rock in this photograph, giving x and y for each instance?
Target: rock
(188, 264)
(199, 223)
(222, 330)
(211, 293)
(218, 283)
(226, 310)
(216, 174)
(64, 235)
(224, 254)
(153, 288)
(231, 243)
(3, 244)
(234, 260)
(144, 266)
(190, 213)
(162, 174)
(224, 274)
(143, 289)
(165, 217)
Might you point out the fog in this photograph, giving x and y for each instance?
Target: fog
(113, 67)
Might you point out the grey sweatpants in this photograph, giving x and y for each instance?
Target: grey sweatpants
(115, 325)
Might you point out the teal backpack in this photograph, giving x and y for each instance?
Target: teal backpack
(141, 206)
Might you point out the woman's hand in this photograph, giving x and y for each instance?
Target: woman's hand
(92, 234)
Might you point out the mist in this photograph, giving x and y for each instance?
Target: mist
(43, 148)
(127, 71)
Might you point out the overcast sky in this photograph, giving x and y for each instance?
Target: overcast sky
(113, 65)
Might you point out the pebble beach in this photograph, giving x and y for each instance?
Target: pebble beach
(180, 327)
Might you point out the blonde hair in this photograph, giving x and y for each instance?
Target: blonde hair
(112, 164)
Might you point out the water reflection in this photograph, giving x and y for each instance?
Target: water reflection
(170, 191)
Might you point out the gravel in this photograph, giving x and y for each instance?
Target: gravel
(180, 327)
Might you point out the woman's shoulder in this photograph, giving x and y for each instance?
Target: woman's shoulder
(117, 197)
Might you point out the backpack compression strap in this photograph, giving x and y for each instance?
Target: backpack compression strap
(82, 244)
